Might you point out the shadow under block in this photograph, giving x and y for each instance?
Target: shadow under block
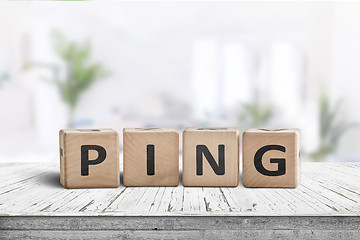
(271, 158)
(211, 157)
(151, 157)
(89, 158)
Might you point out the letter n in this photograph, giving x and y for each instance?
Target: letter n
(201, 150)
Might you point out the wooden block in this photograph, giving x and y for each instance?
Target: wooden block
(151, 157)
(211, 157)
(89, 158)
(271, 158)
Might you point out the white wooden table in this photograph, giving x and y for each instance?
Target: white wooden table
(326, 205)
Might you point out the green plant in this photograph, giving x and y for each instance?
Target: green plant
(255, 114)
(332, 127)
(81, 71)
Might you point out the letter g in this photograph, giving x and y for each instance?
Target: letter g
(280, 161)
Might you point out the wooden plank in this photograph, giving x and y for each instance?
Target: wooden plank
(180, 227)
(326, 189)
(172, 200)
(205, 234)
(22, 174)
(193, 200)
(87, 223)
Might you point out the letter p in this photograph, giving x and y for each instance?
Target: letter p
(85, 161)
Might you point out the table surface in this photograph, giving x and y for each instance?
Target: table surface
(326, 189)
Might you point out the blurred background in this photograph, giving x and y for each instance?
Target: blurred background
(177, 64)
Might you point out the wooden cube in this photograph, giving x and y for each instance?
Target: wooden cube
(89, 158)
(271, 158)
(151, 157)
(211, 157)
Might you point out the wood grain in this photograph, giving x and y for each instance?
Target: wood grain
(331, 234)
(181, 227)
(326, 189)
(165, 164)
(255, 139)
(326, 205)
(211, 138)
(104, 174)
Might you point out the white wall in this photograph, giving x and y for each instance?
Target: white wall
(345, 68)
(148, 47)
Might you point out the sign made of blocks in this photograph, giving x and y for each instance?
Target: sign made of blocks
(151, 157)
(271, 158)
(89, 158)
(211, 157)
